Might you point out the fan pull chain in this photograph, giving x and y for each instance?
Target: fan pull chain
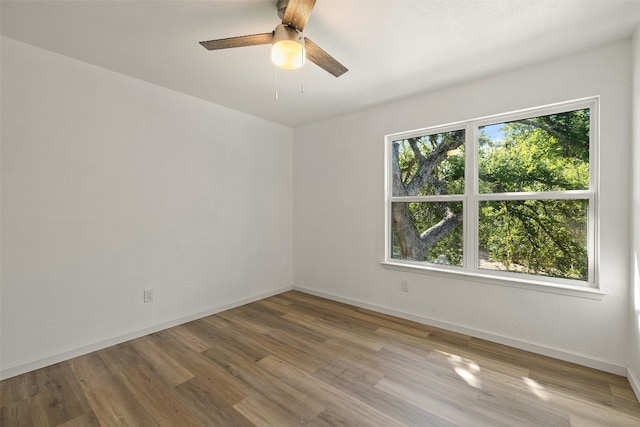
(302, 70)
(276, 82)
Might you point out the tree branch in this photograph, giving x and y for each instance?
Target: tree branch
(436, 232)
(426, 165)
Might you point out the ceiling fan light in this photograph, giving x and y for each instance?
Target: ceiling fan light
(287, 51)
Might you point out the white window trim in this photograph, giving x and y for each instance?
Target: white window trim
(586, 289)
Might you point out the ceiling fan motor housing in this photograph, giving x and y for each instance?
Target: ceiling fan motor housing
(286, 32)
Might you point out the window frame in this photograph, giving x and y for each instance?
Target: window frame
(472, 198)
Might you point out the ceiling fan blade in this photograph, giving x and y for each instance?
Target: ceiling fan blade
(252, 40)
(322, 59)
(297, 13)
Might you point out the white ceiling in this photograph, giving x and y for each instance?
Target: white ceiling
(393, 48)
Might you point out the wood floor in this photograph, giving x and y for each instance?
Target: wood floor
(295, 359)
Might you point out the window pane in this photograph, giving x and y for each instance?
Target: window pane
(428, 231)
(543, 237)
(429, 165)
(546, 153)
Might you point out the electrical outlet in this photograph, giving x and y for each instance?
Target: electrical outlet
(404, 286)
(148, 295)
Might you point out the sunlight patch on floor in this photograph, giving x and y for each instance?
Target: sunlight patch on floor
(466, 369)
(536, 389)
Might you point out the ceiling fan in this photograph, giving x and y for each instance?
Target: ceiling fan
(290, 47)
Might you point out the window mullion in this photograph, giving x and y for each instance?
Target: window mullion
(542, 195)
(440, 198)
(470, 225)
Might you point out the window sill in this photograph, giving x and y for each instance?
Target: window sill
(494, 279)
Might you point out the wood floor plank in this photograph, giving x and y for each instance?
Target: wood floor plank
(367, 342)
(147, 388)
(86, 420)
(331, 311)
(623, 392)
(244, 367)
(486, 363)
(109, 400)
(295, 359)
(394, 324)
(172, 372)
(419, 343)
(456, 412)
(186, 334)
(229, 388)
(216, 322)
(267, 302)
(205, 403)
(337, 353)
(262, 412)
(28, 412)
(583, 413)
(281, 345)
(517, 402)
(276, 322)
(280, 299)
(358, 385)
(18, 388)
(299, 342)
(331, 397)
(234, 316)
(63, 398)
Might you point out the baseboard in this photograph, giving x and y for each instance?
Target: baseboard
(635, 383)
(512, 342)
(21, 368)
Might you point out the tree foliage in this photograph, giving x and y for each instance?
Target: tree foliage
(539, 236)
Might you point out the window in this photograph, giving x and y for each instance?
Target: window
(510, 196)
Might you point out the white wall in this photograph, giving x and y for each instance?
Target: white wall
(634, 339)
(339, 204)
(111, 185)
